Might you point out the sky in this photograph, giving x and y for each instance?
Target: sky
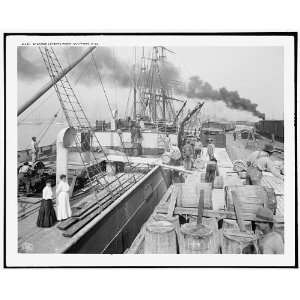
(256, 73)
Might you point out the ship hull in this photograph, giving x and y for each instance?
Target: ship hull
(114, 232)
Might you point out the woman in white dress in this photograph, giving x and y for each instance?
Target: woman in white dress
(62, 198)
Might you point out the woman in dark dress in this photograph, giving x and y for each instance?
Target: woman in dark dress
(47, 216)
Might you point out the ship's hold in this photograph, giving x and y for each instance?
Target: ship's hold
(160, 238)
(235, 241)
(219, 182)
(251, 197)
(198, 239)
(189, 194)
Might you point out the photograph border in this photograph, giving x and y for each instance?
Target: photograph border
(290, 34)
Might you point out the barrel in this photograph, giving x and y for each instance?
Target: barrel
(172, 219)
(213, 225)
(198, 239)
(219, 182)
(189, 194)
(235, 241)
(232, 224)
(160, 238)
(251, 197)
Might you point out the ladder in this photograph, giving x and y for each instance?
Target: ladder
(77, 119)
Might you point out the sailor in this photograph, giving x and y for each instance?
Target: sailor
(270, 241)
(34, 149)
(187, 154)
(210, 148)
(212, 170)
(23, 176)
(198, 148)
(258, 162)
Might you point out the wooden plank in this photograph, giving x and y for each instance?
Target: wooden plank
(163, 209)
(200, 207)
(237, 207)
(173, 201)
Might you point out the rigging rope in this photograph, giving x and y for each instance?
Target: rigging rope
(100, 79)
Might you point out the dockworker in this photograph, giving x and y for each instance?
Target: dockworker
(167, 142)
(212, 170)
(198, 148)
(234, 136)
(24, 176)
(139, 139)
(187, 154)
(132, 133)
(34, 149)
(270, 241)
(258, 162)
(210, 148)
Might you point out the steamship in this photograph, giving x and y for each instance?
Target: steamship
(114, 188)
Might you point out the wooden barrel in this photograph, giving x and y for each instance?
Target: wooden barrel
(232, 224)
(189, 194)
(213, 225)
(251, 197)
(219, 182)
(162, 217)
(198, 239)
(160, 238)
(236, 242)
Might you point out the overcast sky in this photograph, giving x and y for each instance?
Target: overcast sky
(256, 73)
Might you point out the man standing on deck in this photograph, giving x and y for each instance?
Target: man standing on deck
(270, 241)
(187, 154)
(34, 149)
(198, 148)
(210, 148)
(258, 162)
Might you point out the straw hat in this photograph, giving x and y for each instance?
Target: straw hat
(264, 214)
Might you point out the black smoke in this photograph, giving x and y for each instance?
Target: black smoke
(28, 67)
(116, 71)
(199, 89)
(31, 66)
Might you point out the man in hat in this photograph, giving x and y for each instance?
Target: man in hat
(260, 161)
(270, 241)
